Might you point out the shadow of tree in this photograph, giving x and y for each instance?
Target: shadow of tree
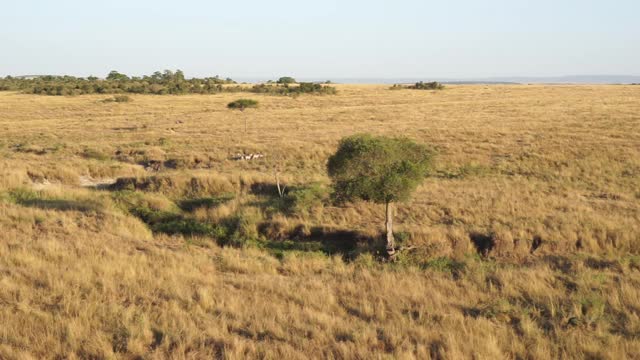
(326, 240)
(62, 204)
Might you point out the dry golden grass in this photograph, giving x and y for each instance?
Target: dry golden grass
(553, 169)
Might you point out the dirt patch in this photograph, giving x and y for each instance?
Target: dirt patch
(41, 184)
(102, 183)
(84, 181)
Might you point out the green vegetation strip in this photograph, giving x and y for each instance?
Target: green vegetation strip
(159, 83)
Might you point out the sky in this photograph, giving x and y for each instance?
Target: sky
(324, 39)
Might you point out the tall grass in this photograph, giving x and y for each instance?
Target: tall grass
(524, 240)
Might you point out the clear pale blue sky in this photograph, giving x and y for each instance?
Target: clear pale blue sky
(321, 39)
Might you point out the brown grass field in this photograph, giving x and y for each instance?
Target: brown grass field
(526, 234)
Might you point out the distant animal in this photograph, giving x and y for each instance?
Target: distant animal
(240, 156)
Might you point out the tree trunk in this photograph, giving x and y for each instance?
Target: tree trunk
(280, 188)
(391, 244)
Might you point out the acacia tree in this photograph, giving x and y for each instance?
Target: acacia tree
(242, 104)
(286, 80)
(379, 169)
(116, 76)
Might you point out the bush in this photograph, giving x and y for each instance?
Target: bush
(302, 88)
(286, 80)
(163, 216)
(121, 98)
(242, 104)
(311, 88)
(300, 200)
(22, 195)
(445, 264)
(242, 228)
(434, 85)
(166, 219)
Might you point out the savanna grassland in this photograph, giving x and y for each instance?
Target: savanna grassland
(129, 231)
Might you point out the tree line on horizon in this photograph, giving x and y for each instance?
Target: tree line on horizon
(159, 83)
(421, 85)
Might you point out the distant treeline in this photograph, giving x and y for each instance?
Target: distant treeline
(159, 83)
(434, 85)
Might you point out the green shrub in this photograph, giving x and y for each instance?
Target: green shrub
(311, 88)
(242, 104)
(434, 85)
(122, 98)
(421, 85)
(445, 264)
(242, 228)
(21, 195)
(114, 75)
(286, 80)
(302, 88)
(208, 202)
(300, 200)
(237, 230)
(172, 223)
(365, 260)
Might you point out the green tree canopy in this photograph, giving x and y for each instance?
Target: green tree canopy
(114, 75)
(242, 104)
(286, 80)
(378, 168)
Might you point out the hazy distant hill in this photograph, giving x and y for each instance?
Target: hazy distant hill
(572, 79)
(569, 79)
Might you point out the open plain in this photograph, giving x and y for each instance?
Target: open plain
(131, 230)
